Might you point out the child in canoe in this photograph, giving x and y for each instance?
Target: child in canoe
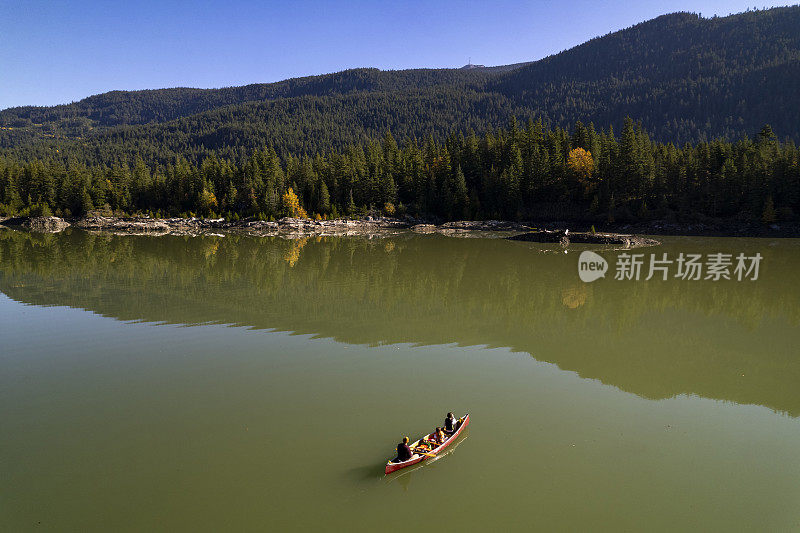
(439, 436)
(424, 445)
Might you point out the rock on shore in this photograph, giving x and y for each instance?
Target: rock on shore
(38, 224)
(547, 236)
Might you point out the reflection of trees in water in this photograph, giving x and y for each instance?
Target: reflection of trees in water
(655, 338)
(575, 296)
(293, 253)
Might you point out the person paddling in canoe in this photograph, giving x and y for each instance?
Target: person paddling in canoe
(403, 451)
(450, 424)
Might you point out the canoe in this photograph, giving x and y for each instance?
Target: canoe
(391, 466)
(413, 468)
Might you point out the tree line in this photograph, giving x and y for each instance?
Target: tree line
(530, 172)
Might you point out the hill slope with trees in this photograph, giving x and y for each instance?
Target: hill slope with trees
(448, 143)
(686, 78)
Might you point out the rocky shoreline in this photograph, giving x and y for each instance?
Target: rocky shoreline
(287, 227)
(627, 235)
(565, 238)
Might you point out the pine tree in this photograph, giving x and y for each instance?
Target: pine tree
(350, 209)
(768, 216)
(324, 199)
(460, 196)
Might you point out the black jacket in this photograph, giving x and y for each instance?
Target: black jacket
(403, 452)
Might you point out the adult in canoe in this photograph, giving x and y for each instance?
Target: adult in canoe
(403, 451)
(450, 423)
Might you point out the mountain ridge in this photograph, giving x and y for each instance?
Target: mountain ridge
(686, 78)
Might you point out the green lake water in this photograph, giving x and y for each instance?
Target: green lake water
(248, 384)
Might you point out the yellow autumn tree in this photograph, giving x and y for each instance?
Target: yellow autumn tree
(581, 162)
(208, 202)
(291, 205)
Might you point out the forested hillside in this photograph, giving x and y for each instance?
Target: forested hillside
(518, 173)
(686, 78)
(160, 105)
(446, 143)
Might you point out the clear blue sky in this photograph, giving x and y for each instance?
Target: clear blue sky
(59, 51)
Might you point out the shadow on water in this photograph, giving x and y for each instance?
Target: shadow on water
(366, 473)
(728, 340)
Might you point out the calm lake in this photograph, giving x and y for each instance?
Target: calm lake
(241, 383)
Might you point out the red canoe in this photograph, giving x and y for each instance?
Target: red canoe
(391, 466)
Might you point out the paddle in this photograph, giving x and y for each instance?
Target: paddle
(420, 452)
(423, 453)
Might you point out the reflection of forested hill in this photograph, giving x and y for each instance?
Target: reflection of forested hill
(734, 341)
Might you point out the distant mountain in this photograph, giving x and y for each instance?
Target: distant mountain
(160, 105)
(685, 77)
